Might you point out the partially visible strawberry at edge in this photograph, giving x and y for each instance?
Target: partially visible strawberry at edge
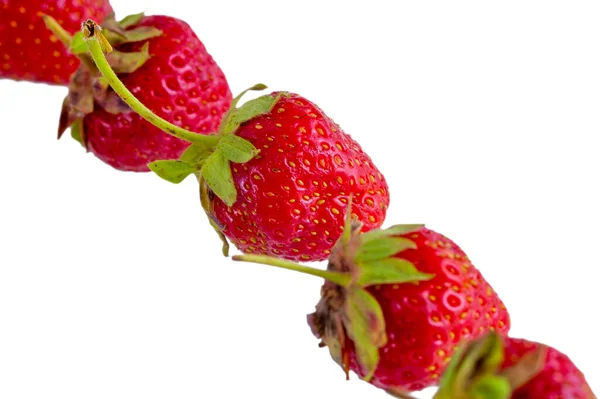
(512, 368)
(31, 52)
(559, 377)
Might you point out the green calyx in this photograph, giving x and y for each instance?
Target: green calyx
(347, 310)
(475, 371)
(115, 32)
(87, 88)
(211, 160)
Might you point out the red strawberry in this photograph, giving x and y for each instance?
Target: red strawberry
(396, 304)
(502, 367)
(33, 53)
(292, 195)
(162, 61)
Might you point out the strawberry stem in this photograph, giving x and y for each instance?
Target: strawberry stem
(66, 39)
(57, 30)
(338, 278)
(95, 41)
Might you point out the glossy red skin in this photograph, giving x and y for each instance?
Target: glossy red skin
(426, 321)
(293, 196)
(559, 379)
(181, 82)
(29, 51)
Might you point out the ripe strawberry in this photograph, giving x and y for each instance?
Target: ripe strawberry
(29, 50)
(162, 61)
(292, 195)
(502, 367)
(396, 303)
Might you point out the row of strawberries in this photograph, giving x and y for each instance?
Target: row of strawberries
(402, 307)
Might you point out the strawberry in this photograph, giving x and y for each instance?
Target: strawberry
(277, 174)
(292, 195)
(162, 61)
(29, 50)
(498, 367)
(397, 302)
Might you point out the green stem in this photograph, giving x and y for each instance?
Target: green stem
(66, 39)
(341, 279)
(58, 30)
(93, 38)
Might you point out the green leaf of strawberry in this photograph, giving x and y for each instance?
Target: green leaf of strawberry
(365, 326)
(389, 271)
(129, 62)
(381, 248)
(131, 20)
(217, 174)
(131, 36)
(236, 99)
(174, 171)
(392, 231)
(118, 32)
(249, 110)
(236, 149)
(234, 103)
(195, 153)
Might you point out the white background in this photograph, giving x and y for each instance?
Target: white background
(483, 116)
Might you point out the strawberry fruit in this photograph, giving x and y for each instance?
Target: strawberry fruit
(291, 196)
(397, 302)
(162, 61)
(30, 51)
(499, 367)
